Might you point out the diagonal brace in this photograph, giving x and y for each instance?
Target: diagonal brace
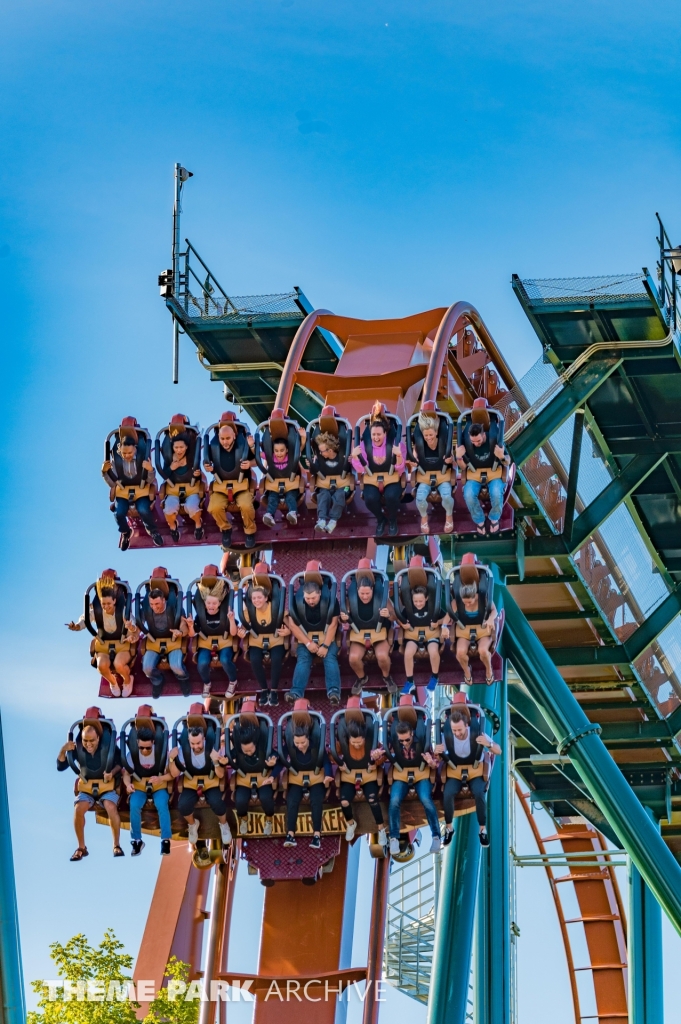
(624, 484)
(560, 408)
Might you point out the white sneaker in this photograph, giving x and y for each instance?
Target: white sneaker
(394, 846)
(206, 690)
(193, 833)
(331, 525)
(320, 524)
(115, 689)
(350, 831)
(267, 830)
(382, 837)
(292, 518)
(243, 827)
(268, 519)
(435, 845)
(225, 834)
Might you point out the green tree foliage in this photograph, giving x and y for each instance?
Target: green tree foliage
(99, 976)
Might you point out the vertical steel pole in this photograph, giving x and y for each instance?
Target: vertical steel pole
(11, 975)
(214, 945)
(493, 933)
(646, 990)
(349, 906)
(379, 909)
(454, 925)
(176, 270)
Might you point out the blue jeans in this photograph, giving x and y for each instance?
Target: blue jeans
(203, 662)
(177, 667)
(143, 507)
(445, 491)
(424, 792)
(291, 499)
(471, 491)
(137, 802)
(303, 668)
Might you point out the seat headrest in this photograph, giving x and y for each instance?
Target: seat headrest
(479, 413)
(328, 424)
(196, 708)
(127, 428)
(145, 711)
(459, 698)
(378, 411)
(107, 581)
(209, 576)
(417, 576)
(429, 407)
(364, 569)
(406, 701)
(248, 707)
(227, 418)
(469, 574)
(177, 424)
(354, 702)
(312, 573)
(302, 704)
(142, 722)
(278, 425)
(92, 718)
(157, 580)
(93, 713)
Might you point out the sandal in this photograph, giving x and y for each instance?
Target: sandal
(467, 680)
(81, 852)
(449, 524)
(118, 852)
(425, 525)
(482, 531)
(489, 680)
(494, 527)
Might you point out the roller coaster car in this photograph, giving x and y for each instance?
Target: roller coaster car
(172, 591)
(330, 422)
(362, 632)
(302, 774)
(275, 586)
(339, 737)
(143, 484)
(418, 450)
(492, 422)
(374, 474)
(249, 726)
(211, 584)
(103, 642)
(128, 741)
(195, 778)
(471, 627)
(445, 737)
(418, 574)
(77, 759)
(414, 769)
(313, 573)
(279, 428)
(236, 480)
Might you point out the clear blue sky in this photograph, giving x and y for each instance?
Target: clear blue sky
(386, 157)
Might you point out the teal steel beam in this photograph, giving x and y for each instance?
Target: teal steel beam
(573, 476)
(654, 624)
(528, 710)
(614, 654)
(493, 932)
(560, 408)
(579, 737)
(11, 974)
(644, 940)
(454, 925)
(624, 484)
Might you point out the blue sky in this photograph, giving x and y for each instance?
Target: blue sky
(386, 157)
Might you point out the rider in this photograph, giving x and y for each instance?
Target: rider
(146, 774)
(230, 457)
(370, 624)
(277, 454)
(113, 648)
(313, 621)
(201, 765)
(264, 625)
(215, 628)
(254, 764)
(164, 639)
(327, 460)
(474, 614)
(422, 632)
(130, 475)
(96, 759)
(184, 486)
(464, 766)
(309, 771)
(360, 767)
(413, 768)
(483, 459)
(380, 463)
(433, 454)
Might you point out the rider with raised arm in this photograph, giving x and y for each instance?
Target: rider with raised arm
(115, 642)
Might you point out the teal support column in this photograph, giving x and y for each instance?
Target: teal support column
(580, 738)
(493, 932)
(11, 976)
(646, 991)
(454, 924)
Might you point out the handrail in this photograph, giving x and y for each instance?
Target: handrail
(295, 357)
(452, 322)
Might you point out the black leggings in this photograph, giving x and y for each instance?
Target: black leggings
(392, 494)
(478, 788)
(276, 659)
(293, 798)
(188, 798)
(242, 797)
(370, 790)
